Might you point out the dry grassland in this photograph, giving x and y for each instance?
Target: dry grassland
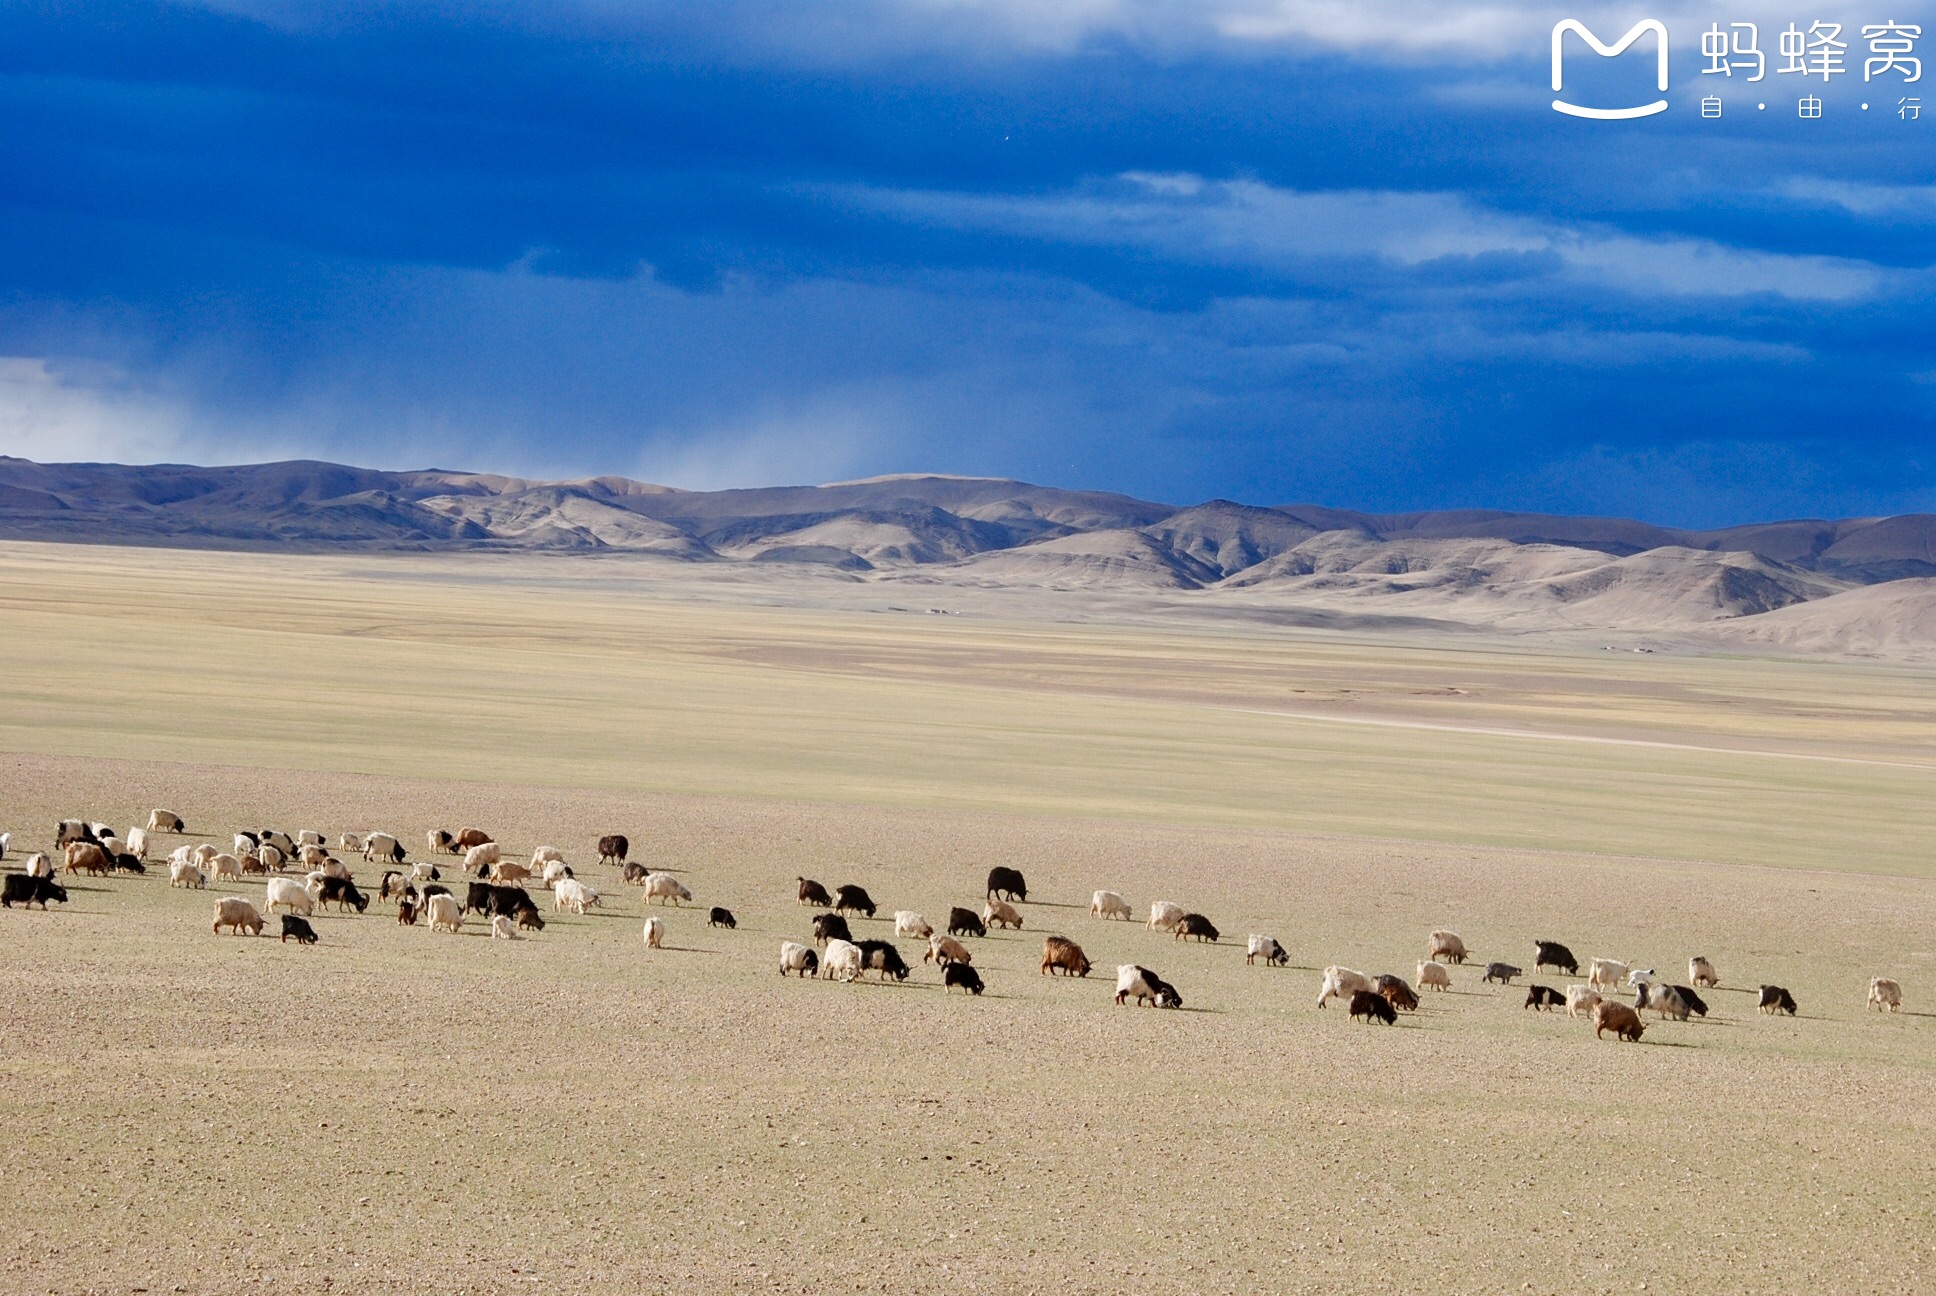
(397, 1111)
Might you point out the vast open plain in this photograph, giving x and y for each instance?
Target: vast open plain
(394, 1110)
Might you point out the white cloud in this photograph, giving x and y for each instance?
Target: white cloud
(1243, 223)
(1916, 203)
(55, 413)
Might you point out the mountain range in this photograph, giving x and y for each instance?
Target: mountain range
(1865, 584)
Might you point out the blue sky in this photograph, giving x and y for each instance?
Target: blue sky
(1272, 251)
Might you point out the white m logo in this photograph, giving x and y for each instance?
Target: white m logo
(1614, 50)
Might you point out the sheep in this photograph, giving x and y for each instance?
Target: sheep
(202, 853)
(1267, 948)
(342, 893)
(502, 928)
(383, 846)
(309, 837)
(1541, 998)
(351, 842)
(165, 821)
(613, 848)
(423, 871)
(529, 919)
(1195, 924)
(1638, 977)
(267, 859)
(1164, 915)
(1397, 991)
(313, 883)
(298, 928)
(1061, 953)
(654, 932)
(798, 959)
(853, 899)
(70, 831)
(86, 857)
(946, 951)
(633, 872)
(1368, 1005)
(470, 838)
(1435, 976)
(573, 895)
(664, 887)
(1580, 999)
(721, 917)
(1775, 999)
(243, 842)
(1885, 994)
(101, 832)
(282, 841)
(407, 910)
(544, 855)
(439, 842)
(1503, 973)
(39, 865)
(1617, 1017)
(1146, 986)
(235, 913)
(1340, 983)
(1702, 973)
(960, 974)
(812, 893)
(1000, 913)
(841, 962)
(1694, 1002)
(392, 887)
(909, 923)
(126, 863)
(1606, 973)
(225, 866)
(444, 913)
(332, 867)
(509, 873)
(1006, 884)
(1554, 955)
(1442, 944)
(965, 922)
(183, 873)
(287, 892)
(479, 858)
(112, 845)
(882, 957)
(1108, 904)
(30, 891)
(137, 843)
(311, 857)
(555, 872)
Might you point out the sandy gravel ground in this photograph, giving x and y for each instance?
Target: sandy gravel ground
(399, 1111)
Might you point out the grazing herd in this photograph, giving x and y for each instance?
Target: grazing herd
(495, 891)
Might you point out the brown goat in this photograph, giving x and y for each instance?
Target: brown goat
(1618, 1018)
(1061, 952)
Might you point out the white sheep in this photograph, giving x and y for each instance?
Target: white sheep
(1606, 973)
(1267, 948)
(224, 866)
(1885, 993)
(444, 913)
(1165, 915)
(799, 959)
(480, 857)
(183, 873)
(574, 895)
(1108, 904)
(841, 961)
(1580, 1000)
(1700, 972)
(663, 887)
(309, 837)
(502, 928)
(1434, 975)
(556, 871)
(544, 855)
(290, 894)
(654, 932)
(137, 843)
(1342, 983)
(909, 923)
(40, 865)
